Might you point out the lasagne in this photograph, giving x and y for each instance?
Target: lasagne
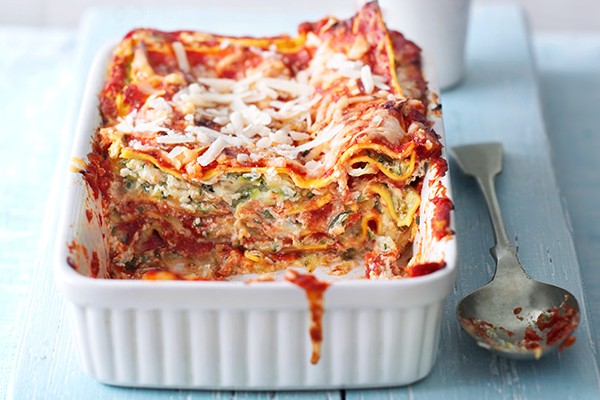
(223, 156)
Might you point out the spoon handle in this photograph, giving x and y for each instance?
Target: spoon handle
(503, 244)
(484, 162)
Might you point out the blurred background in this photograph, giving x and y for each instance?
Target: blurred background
(573, 15)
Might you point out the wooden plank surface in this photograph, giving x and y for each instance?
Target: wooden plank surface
(498, 101)
(569, 76)
(27, 106)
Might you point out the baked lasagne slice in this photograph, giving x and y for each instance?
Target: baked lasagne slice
(220, 156)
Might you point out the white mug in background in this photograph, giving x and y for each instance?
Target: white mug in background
(439, 27)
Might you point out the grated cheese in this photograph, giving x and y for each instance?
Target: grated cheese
(212, 152)
(376, 121)
(264, 142)
(299, 136)
(174, 139)
(268, 113)
(177, 150)
(136, 144)
(217, 84)
(367, 79)
(225, 43)
(326, 135)
(181, 57)
(241, 158)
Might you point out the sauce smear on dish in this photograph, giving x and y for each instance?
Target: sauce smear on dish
(314, 289)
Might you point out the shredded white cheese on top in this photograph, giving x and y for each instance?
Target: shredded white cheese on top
(273, 114)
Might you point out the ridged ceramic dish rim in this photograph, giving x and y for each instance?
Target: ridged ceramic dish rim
(235, 335)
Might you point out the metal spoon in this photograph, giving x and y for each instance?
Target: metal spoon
(513, 315)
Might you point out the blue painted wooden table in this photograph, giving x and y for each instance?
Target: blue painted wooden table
(551, 173)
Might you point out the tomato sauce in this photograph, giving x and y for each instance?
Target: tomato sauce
(531, 340)
(441, 217)
(78, 255)
(98, 175)
(559, 321)
(551, 327)
(425, 268)
(94, 265)
(517, 310)
(88, 215)
(314, 289)
(570, 341)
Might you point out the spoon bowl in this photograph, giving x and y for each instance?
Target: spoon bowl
(513, 315)
(505, 320)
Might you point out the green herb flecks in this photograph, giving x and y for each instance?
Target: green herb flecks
(267, 214)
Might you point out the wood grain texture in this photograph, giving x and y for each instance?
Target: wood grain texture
(497, 101)
(569, 71)
(33, 87)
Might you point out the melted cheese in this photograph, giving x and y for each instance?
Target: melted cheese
(408, 204)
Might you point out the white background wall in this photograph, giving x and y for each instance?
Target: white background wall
(572, 15)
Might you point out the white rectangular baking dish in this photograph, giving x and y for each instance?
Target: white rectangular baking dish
(235, 335)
